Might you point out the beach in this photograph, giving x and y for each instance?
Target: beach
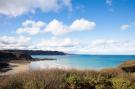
(16, 67)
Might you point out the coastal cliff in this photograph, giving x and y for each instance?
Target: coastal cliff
(23, 56)
(7, 56)
(37, 52)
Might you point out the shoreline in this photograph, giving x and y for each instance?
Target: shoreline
(16, 67)
(19, 66)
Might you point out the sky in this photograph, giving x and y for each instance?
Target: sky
(72, 26)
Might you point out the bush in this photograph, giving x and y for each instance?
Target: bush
(121, 83)
(88, 80)
(99, 81)
(72, 81)
(50, 79)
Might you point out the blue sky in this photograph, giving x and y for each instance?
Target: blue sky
(73, 26)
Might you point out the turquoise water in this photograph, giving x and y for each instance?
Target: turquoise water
(83, 61)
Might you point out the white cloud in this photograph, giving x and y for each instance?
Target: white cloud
(12, 42)
(19, 7)
(125, 27)
(82, 24)
(99, 46)
(57, 28)
(31, 27)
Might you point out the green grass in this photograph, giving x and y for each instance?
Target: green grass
(69, 79)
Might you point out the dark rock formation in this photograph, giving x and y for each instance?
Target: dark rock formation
(4, 67)
(41, 59)
(2, 64)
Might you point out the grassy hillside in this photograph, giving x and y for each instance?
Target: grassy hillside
(71, 79)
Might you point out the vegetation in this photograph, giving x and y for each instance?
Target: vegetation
(122, 83)
(36, 52)
(128, 66)
(7, 56)
(69, 79)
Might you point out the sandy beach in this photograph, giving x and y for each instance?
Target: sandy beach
(16, 68)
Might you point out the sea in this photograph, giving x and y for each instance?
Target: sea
(80, 61)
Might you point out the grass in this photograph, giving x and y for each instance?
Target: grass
(69, 79)
(128, 66)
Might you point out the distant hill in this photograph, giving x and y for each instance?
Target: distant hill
(6, 56)
(37, 52)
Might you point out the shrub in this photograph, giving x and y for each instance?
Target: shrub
(72, 81)
(50, 79)
(88, 80)
(121, 83)
(68, 79)
(99, 81)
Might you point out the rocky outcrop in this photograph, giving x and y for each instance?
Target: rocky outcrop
(128, 66)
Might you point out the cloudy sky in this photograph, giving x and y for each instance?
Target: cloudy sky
(73, 26)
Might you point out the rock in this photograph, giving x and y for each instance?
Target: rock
(41, 59)
(128, 66)
(4, 67)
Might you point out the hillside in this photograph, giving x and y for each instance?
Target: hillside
(37, 52)
(6, 56)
